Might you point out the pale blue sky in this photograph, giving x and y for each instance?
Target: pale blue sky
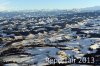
(46, 4)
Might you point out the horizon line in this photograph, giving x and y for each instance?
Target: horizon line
(25, 10)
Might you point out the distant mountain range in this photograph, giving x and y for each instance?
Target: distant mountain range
(45, 12)
(95, 8)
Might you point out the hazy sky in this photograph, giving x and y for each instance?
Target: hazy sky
(46, 4)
